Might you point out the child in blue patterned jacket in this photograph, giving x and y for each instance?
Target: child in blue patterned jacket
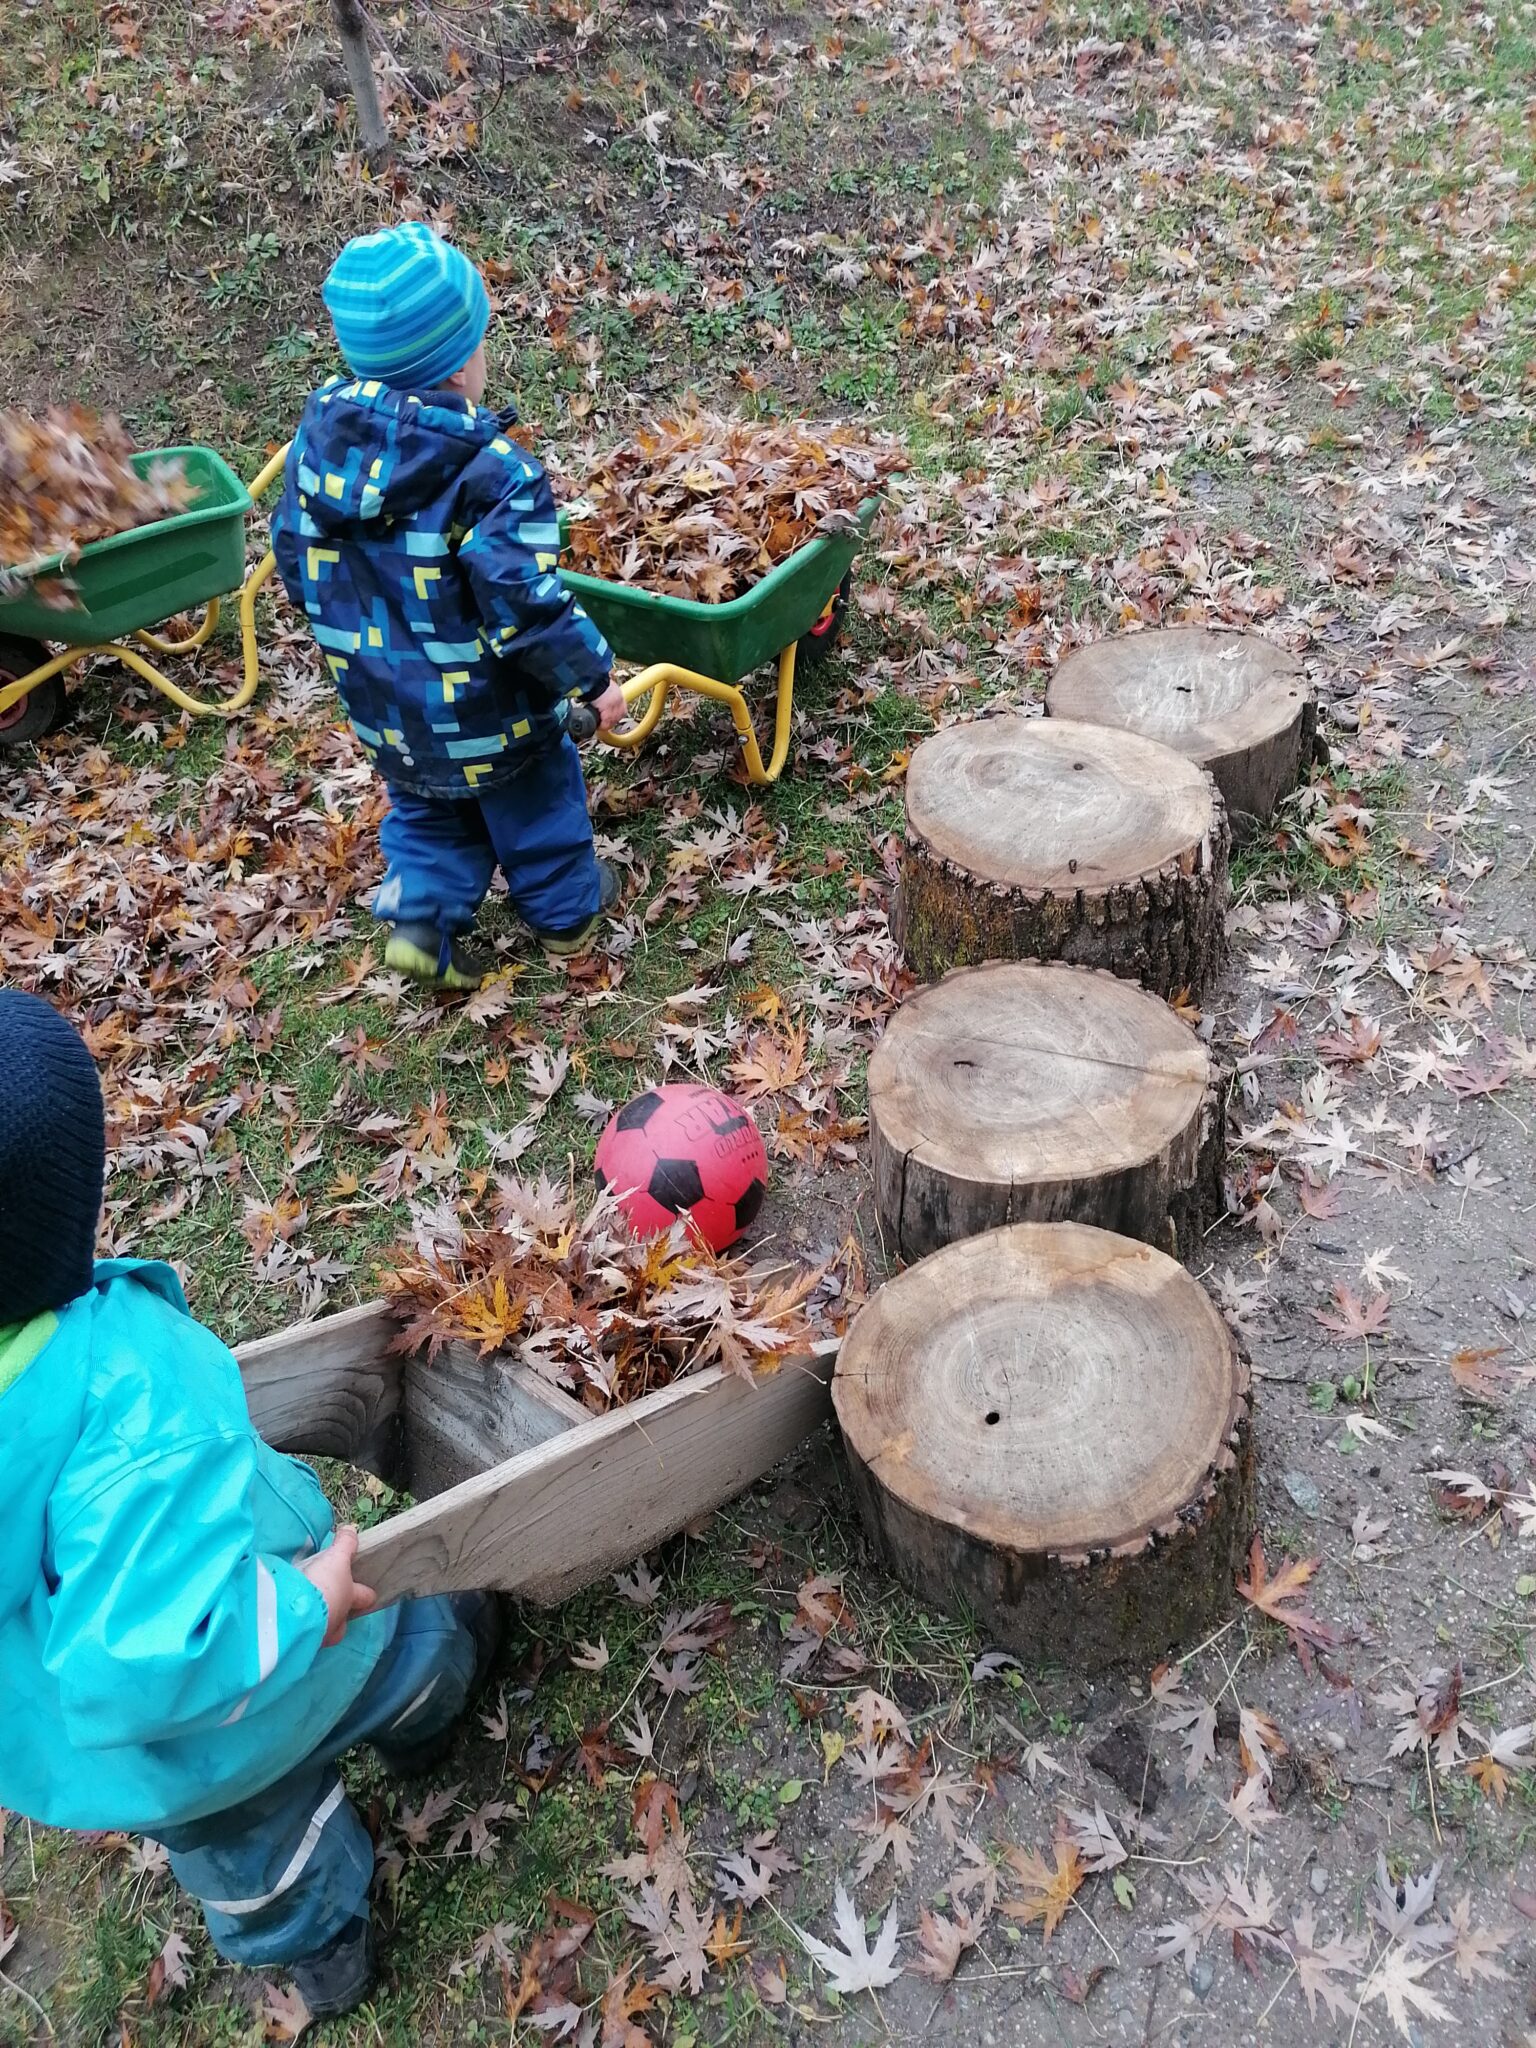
(421, 541)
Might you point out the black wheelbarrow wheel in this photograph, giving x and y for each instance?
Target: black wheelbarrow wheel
(824, 635)
(42, 708)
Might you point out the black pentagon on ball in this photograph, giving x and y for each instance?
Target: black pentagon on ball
(732, 1123)
(600, 1177)
(634, 1116)
(749, 1202)
(675, 1184)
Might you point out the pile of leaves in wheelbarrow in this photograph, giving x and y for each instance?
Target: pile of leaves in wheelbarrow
(66, 479)
(702, 507)
(560, 1282)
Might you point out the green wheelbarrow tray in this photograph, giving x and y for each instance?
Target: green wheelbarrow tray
(136, 579)
(726, 641)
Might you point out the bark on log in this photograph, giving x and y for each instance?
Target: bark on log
(1233, 702)
(1021, 1092)
(1049, 1426)
(1046, 839)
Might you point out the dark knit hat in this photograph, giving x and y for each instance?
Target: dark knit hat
(53, 1155)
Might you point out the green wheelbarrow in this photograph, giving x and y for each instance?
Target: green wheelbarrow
(796, 611)
(131, 583)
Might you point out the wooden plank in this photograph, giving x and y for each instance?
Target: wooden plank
(549, 1522)
(331, 1388)
(465, 1413)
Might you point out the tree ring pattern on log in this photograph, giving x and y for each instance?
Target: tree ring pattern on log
(1022, 1091)
(1101, 1516)
(1234, 702)
(1053, 840)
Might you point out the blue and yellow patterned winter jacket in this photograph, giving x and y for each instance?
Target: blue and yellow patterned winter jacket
(421, 541)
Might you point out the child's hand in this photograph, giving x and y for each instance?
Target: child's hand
(610, 708)
(330, 1573)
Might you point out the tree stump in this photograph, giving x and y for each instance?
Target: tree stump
(1050, 1426)
(1236, 704)
(1041, 839)
(1027, 1093)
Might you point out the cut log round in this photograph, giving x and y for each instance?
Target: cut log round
(1049, 1426)
(1041, 839)
(1235, 703)
(1022, 1092)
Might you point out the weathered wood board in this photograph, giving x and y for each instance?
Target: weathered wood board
(549, 1522)
(563, 1497)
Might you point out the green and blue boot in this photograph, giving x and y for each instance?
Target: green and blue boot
(436, 958)
(578, 937)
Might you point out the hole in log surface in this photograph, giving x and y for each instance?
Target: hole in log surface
(1234, 702)
(1036, 838)
(1100, 1511)
(1028, 1092)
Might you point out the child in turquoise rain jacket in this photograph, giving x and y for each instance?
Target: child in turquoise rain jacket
(421, 541)
(184, 1651)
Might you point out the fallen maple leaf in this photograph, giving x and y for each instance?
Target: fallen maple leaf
(169, 1969)
(1270, 1597)
(417, 1823)
(1399, 1909)
(1354, 1317)
(1258, 1741)
(1319, 1199)
(1473, 1948)
(1096, 1841)
(1396, 1981)
(1319, 1963)
(1475, 1375)
(285, 2014)
(1046, 1892)
(750, 1875)
(944, 1942)
(1250, 1806)
(1195, 1725)
(856, 1966)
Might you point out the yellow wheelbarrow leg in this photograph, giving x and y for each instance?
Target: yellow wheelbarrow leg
(662, 677)
(200, 638)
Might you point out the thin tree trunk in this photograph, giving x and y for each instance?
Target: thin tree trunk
(353, 28)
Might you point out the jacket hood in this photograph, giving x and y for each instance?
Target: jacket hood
(366, 451)
(40, 1415)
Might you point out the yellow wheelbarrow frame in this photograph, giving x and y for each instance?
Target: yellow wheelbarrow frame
(663, 677)
(11, 693)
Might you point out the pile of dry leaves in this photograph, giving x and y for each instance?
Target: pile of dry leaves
(67, 479)
(701, 506)
(604, 1315)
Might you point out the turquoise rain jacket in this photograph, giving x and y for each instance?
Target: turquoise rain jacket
(160, 1655)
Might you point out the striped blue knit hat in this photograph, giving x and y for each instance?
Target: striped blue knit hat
(408, 308)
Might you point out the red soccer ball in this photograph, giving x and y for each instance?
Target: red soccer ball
(687, 1151)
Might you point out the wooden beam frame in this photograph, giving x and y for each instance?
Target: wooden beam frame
(564, 1497)
(552, 1520)
(332, 1387)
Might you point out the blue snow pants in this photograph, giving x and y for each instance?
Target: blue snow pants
(443, 851)
(279, 1875)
